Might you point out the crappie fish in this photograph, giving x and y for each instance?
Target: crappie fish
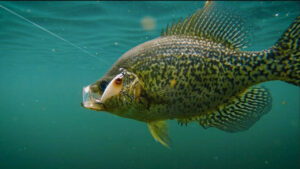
(196, 72)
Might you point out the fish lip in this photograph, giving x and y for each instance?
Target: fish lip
(100, 104)
(89, 101)
(94, 106)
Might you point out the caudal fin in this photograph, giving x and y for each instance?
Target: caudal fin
(287, 54)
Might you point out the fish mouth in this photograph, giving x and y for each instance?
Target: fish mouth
(91, 100)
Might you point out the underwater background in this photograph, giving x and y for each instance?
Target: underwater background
(43, 126)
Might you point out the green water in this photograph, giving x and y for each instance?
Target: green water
(43, 126)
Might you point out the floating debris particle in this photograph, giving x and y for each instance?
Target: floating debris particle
(53, 50)
(294, 123)
(284, 102)
(216, 157)
(116, 43)
(14, 119)
(148, 23)
(277, 142)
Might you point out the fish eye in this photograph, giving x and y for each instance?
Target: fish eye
(103, 85)
(118, 81)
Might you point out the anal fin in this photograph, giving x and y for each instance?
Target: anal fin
(160, 132)
(242, 113)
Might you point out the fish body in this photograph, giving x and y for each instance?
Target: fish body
(197, 72)
(184, 77)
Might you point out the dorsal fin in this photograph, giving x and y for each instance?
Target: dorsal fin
(212, 22)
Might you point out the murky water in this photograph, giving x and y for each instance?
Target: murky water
(42, 124)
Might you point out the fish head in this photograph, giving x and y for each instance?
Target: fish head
(118, 94)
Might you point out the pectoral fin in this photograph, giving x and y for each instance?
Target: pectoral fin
(160, 131)
(242, 113)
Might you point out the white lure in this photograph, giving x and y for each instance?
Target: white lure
(113, 88)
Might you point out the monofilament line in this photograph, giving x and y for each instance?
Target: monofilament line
(51, 33)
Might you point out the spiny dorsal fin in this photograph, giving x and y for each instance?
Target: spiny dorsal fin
(160, 132)
(242, 113)
(212, 22)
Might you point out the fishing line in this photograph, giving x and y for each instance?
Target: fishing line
(51, 33)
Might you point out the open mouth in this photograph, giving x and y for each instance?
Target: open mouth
(91, 100)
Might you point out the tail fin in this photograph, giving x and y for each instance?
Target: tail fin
(286, 51)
